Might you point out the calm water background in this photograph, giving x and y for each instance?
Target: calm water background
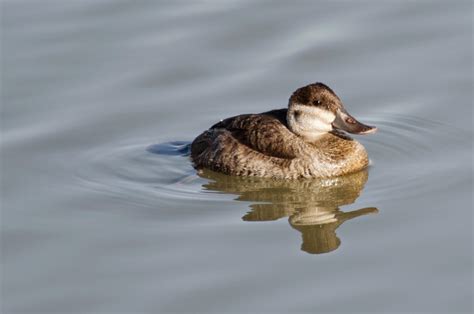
(94, 222)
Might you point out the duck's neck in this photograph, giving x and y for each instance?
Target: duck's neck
(331, 155)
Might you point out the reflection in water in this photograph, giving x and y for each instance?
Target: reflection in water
(311, 205)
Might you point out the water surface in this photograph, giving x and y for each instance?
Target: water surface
(102, 211)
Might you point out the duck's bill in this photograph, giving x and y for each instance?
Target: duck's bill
(344, 121)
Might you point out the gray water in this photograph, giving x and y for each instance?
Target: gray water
(102, 211)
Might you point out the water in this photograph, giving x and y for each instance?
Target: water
(102, 211)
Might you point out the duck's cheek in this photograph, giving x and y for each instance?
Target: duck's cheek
(319, 113)
(318, 119)
(321, 125)
(322, 122)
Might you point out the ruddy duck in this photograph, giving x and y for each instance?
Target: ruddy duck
(303, 141)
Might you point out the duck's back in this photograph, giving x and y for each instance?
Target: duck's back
(249, 144)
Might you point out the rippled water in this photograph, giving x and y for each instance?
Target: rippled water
(103, 212)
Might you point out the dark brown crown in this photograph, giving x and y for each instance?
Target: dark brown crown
(316, 94)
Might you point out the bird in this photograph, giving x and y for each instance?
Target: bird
(305, 140)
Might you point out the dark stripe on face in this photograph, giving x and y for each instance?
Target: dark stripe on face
(297, 114)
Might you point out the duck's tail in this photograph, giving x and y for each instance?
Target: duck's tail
(201, 144)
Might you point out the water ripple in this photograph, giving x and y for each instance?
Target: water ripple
(406, 159)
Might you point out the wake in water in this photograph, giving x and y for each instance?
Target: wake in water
(407, 160)
(175, 148)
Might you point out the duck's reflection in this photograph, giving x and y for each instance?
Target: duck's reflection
(311, 205)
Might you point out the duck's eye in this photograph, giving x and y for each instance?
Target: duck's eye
(316, 102)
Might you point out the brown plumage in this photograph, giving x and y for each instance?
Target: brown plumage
(287, 143)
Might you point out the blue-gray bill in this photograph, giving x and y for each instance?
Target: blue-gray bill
(345, 122)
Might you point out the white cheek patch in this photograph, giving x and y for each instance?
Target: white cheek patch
(325, 116)
(315, 119)
(320, 125)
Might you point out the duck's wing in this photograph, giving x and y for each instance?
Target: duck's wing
(266, 133)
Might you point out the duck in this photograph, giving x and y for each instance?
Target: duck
(308, 139)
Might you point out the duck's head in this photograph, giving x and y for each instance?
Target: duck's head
(315, 109)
